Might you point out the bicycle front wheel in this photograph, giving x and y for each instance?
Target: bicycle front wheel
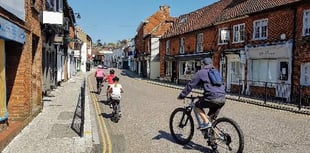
(181, 126)
(228, 136)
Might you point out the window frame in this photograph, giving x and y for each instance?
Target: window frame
(260, 29)
(168, 47)
(306, 23)
(199, 47)
(303, 75)
(182, 45)
(238, 34)
(224, 41)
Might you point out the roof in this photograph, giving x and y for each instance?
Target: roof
(239, 8)
(198, 19)
(221, 11)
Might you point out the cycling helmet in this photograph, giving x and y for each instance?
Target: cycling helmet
(99, 66)
(112, 71)
(115, 79)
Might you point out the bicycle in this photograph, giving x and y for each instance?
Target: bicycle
(99, 87)
(116, 110)
(218, 136)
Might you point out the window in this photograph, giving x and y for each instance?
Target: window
(199, 42)
(182, 45)
(238, 31)
(168, 67)
(223, 36)
(283, 71)
(264, 70)
(168, 47)
(305, 74)
(260, 29)
(306, 24)
(235, 72)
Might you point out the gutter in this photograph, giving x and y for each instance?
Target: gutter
(293, 49)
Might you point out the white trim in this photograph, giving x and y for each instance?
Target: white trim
(306, 23)
(238, 32)
(261, 23)
(223, 36)
(182, 47)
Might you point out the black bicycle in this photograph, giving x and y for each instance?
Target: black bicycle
(225, 134)
(116, 115)
(99, 87)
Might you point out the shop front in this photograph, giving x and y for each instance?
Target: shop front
(12, 38)
(270, 69)
(189, 64)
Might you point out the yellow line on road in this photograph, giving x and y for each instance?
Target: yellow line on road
(103, 130)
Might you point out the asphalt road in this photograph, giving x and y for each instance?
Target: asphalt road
(144, 127)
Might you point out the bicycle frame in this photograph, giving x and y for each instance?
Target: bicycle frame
(193, 107)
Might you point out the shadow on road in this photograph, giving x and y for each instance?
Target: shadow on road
(191, 145)
(77, 124)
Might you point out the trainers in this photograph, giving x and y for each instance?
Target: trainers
(205, 126)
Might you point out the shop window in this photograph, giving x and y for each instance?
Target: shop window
(283, 71)
(305, 74)
(264, 71)
(235, 73)
(168, 68)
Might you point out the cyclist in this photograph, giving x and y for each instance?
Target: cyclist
(115, 91)
(99, 74)
(110, 81)
(214, 96)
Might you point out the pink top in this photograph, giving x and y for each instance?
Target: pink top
(110, 78)
(99, 73)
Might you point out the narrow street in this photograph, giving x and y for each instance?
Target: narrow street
(144, 126)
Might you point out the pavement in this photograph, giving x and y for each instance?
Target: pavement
(60, 127)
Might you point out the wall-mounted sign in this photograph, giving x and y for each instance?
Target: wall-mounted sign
(16, 7)
(11, 31)
(276, 51)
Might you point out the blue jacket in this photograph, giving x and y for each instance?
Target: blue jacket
(202, 78)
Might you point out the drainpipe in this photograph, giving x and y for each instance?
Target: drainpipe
(293, 51)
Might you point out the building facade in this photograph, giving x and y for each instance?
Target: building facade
(261, 48)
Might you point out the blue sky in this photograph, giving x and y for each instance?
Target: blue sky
(115, 20)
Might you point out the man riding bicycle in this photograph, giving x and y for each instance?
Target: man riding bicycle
(214, 96)
(99, 74)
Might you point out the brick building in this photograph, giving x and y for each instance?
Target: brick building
(21, 49)
(261, 47)
(147, 41)
(28, 45)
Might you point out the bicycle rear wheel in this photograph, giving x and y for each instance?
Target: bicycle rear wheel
(228, 135)
(181, 126)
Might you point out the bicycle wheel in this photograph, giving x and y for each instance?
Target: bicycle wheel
(228, 135)
(181, 126)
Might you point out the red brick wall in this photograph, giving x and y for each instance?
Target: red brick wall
(302, 49)
(25, 69)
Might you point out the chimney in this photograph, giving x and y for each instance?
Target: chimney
(165, 9)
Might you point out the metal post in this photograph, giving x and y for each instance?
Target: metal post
(300, 94)
(265, 99)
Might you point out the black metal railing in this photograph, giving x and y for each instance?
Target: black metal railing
(273, 92)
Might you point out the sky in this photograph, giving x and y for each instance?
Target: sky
(114, 20)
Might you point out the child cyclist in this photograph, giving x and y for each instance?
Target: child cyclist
(99, 74)
(110, 81)
(115, 90)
